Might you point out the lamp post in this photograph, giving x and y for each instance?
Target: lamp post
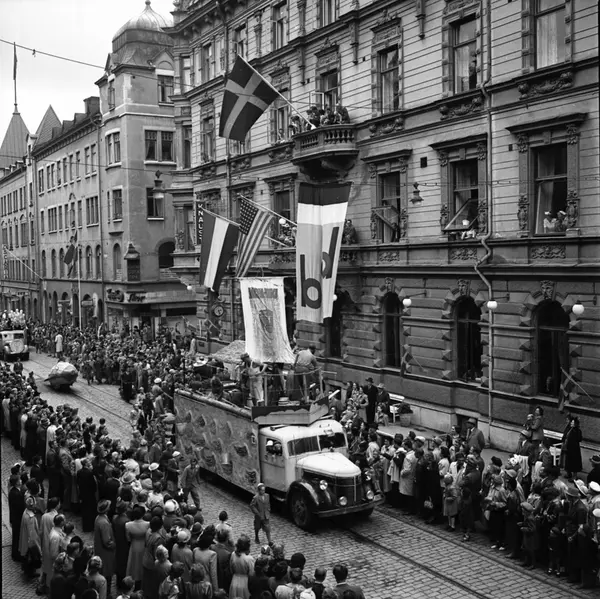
(407, 301)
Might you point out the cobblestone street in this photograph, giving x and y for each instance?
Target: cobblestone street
(391, 556)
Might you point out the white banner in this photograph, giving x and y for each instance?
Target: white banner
(264, 320)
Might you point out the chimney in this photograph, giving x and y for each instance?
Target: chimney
(92, 105)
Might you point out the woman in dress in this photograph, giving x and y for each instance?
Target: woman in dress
(570, 458)
(207, 558)
(242, 565)
(135, 532)
(94, 576)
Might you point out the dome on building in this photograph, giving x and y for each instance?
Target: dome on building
(147, 27)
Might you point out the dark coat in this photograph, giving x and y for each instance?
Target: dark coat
(104, 545)
(122, 552)
(571, 451)
(16, 507)
(86, 483)
(223, 564)
(111, 492)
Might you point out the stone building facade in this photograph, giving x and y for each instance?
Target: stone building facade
(473, 153)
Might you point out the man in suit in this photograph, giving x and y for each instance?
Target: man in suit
(475, 437)
(223, 552)
(340, 572)
(372, 393)
(16, 507)
(261, 508)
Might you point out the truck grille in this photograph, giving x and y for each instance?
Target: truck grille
(351, 488)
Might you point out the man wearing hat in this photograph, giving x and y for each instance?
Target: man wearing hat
(594, 474)
(190, 481)
(104, 541)
(577, 517)
(383, 398)
(474, 436)
(86, 482)
(261, 508)
(371, 392)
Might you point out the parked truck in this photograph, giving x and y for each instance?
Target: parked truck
(13, 344)
(299, 453)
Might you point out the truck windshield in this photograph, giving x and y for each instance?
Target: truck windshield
(310, 444)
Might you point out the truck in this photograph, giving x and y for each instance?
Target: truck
(14, 344)
(298, 452)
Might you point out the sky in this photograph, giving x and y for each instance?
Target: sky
(77, 29)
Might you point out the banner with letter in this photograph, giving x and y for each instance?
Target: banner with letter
(264, 320)
(321, 217)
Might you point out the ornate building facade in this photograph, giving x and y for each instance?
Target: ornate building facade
(475, 222)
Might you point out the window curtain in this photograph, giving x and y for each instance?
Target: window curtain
(550, 35)
(546, 221)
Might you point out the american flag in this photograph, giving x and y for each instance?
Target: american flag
(254, 222)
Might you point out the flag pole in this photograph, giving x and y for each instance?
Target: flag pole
(79, 286)
(310, 125)
(15, 74)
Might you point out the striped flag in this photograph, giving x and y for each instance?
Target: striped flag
(246, 97)
(219, 237)
(254, 222)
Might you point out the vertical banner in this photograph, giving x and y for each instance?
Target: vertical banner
(263, 303)
(198, 220)
(5, 261)
(321, 217)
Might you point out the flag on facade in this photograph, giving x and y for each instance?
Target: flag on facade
(254, 222)
(263, 304)
(246, 97)
(219, 238)
(321, 217)
(70, 254)
(198, 223)
(15, 61)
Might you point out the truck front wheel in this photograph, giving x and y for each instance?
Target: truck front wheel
(301, 510)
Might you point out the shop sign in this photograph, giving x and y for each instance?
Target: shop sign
(136, 297)
(114, 295)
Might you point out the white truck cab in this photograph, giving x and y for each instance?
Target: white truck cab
(14, 344)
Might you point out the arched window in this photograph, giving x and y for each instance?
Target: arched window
(334, 329)
(391, 330)
(552, 324)
(165, 258)
(117, 261)
(89, 263)
(44, 272)
(53, 263)
(61, 263)
(468, 340)
(98, 261)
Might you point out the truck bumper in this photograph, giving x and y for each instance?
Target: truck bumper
(350, 509)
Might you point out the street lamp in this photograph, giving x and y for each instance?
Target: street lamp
(492, 304)
(190, 288)
(407, 302)
(578, 308)
(416, 198)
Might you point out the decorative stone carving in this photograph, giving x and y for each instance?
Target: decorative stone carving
(457, 5)
(448, 111)
(545, 87)
(388, 256)
(328, 56)
(466, 253)
(180, 236)
(282, 153)
(258, 31)
(388, 284)
(374, 228)
(547, 289)
(464, 287)
(386, 127)
(442, 157)
(386, 17)
(208, 171)
(348, 256)
(372, 170)
(403, 222)
(523, 213)
(522, 142)
(549, 252)
(281, 258)
(240, 164)
(444, 216)
(482, 211)
(572, 134)
(572, 209)
(481, 151)
(402, 164)
(301, 6)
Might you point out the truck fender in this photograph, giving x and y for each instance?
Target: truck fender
(305, 487)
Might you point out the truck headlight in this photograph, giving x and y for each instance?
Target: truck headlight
(323, 485)
(343, 501)
(370, 495)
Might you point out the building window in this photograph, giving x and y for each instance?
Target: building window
(465, 55)
(52, 168)
(31, 232)
(53, 263)
(334, 330)
(207, 64)
(58, 174)
(52, 220)
(80, 213)
(468, 340)
(159, 146)
(186, 74)
(91, 206)
(89, 263)
(165, 255)
(240, 41)
(389, 207)
(117, 262)
(240, 147)
(207, 138)
(65, 170)
(93, 158)
(44, 266)
(328, 10)
(60, 218)
(279, 119)
(329, 87)
(98, 261)
(187, 146)
(16, 236)
(465, 191)
(23, 234)
(282, 205)
(279, 26)
(61, 263)
(133, 270)
(550, 163)
(71, 171)
(551, 326)
(117, 204)
(111, 95)
(389, 79)
(77, 164)
(113, 148)
(86, 155)
(391, 326)
(165, 89)
(154, 206)
(550, 32)
(41, 180)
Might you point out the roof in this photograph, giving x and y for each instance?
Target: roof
(44, 130)
(147, 20)
(14, 144)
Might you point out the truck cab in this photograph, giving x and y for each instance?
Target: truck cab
(13, 344)
(308, 467)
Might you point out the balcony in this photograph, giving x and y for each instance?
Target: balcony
(327, 151)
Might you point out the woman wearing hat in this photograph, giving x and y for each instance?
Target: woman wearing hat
(104, 540)
(136, 535)
(570, 453)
